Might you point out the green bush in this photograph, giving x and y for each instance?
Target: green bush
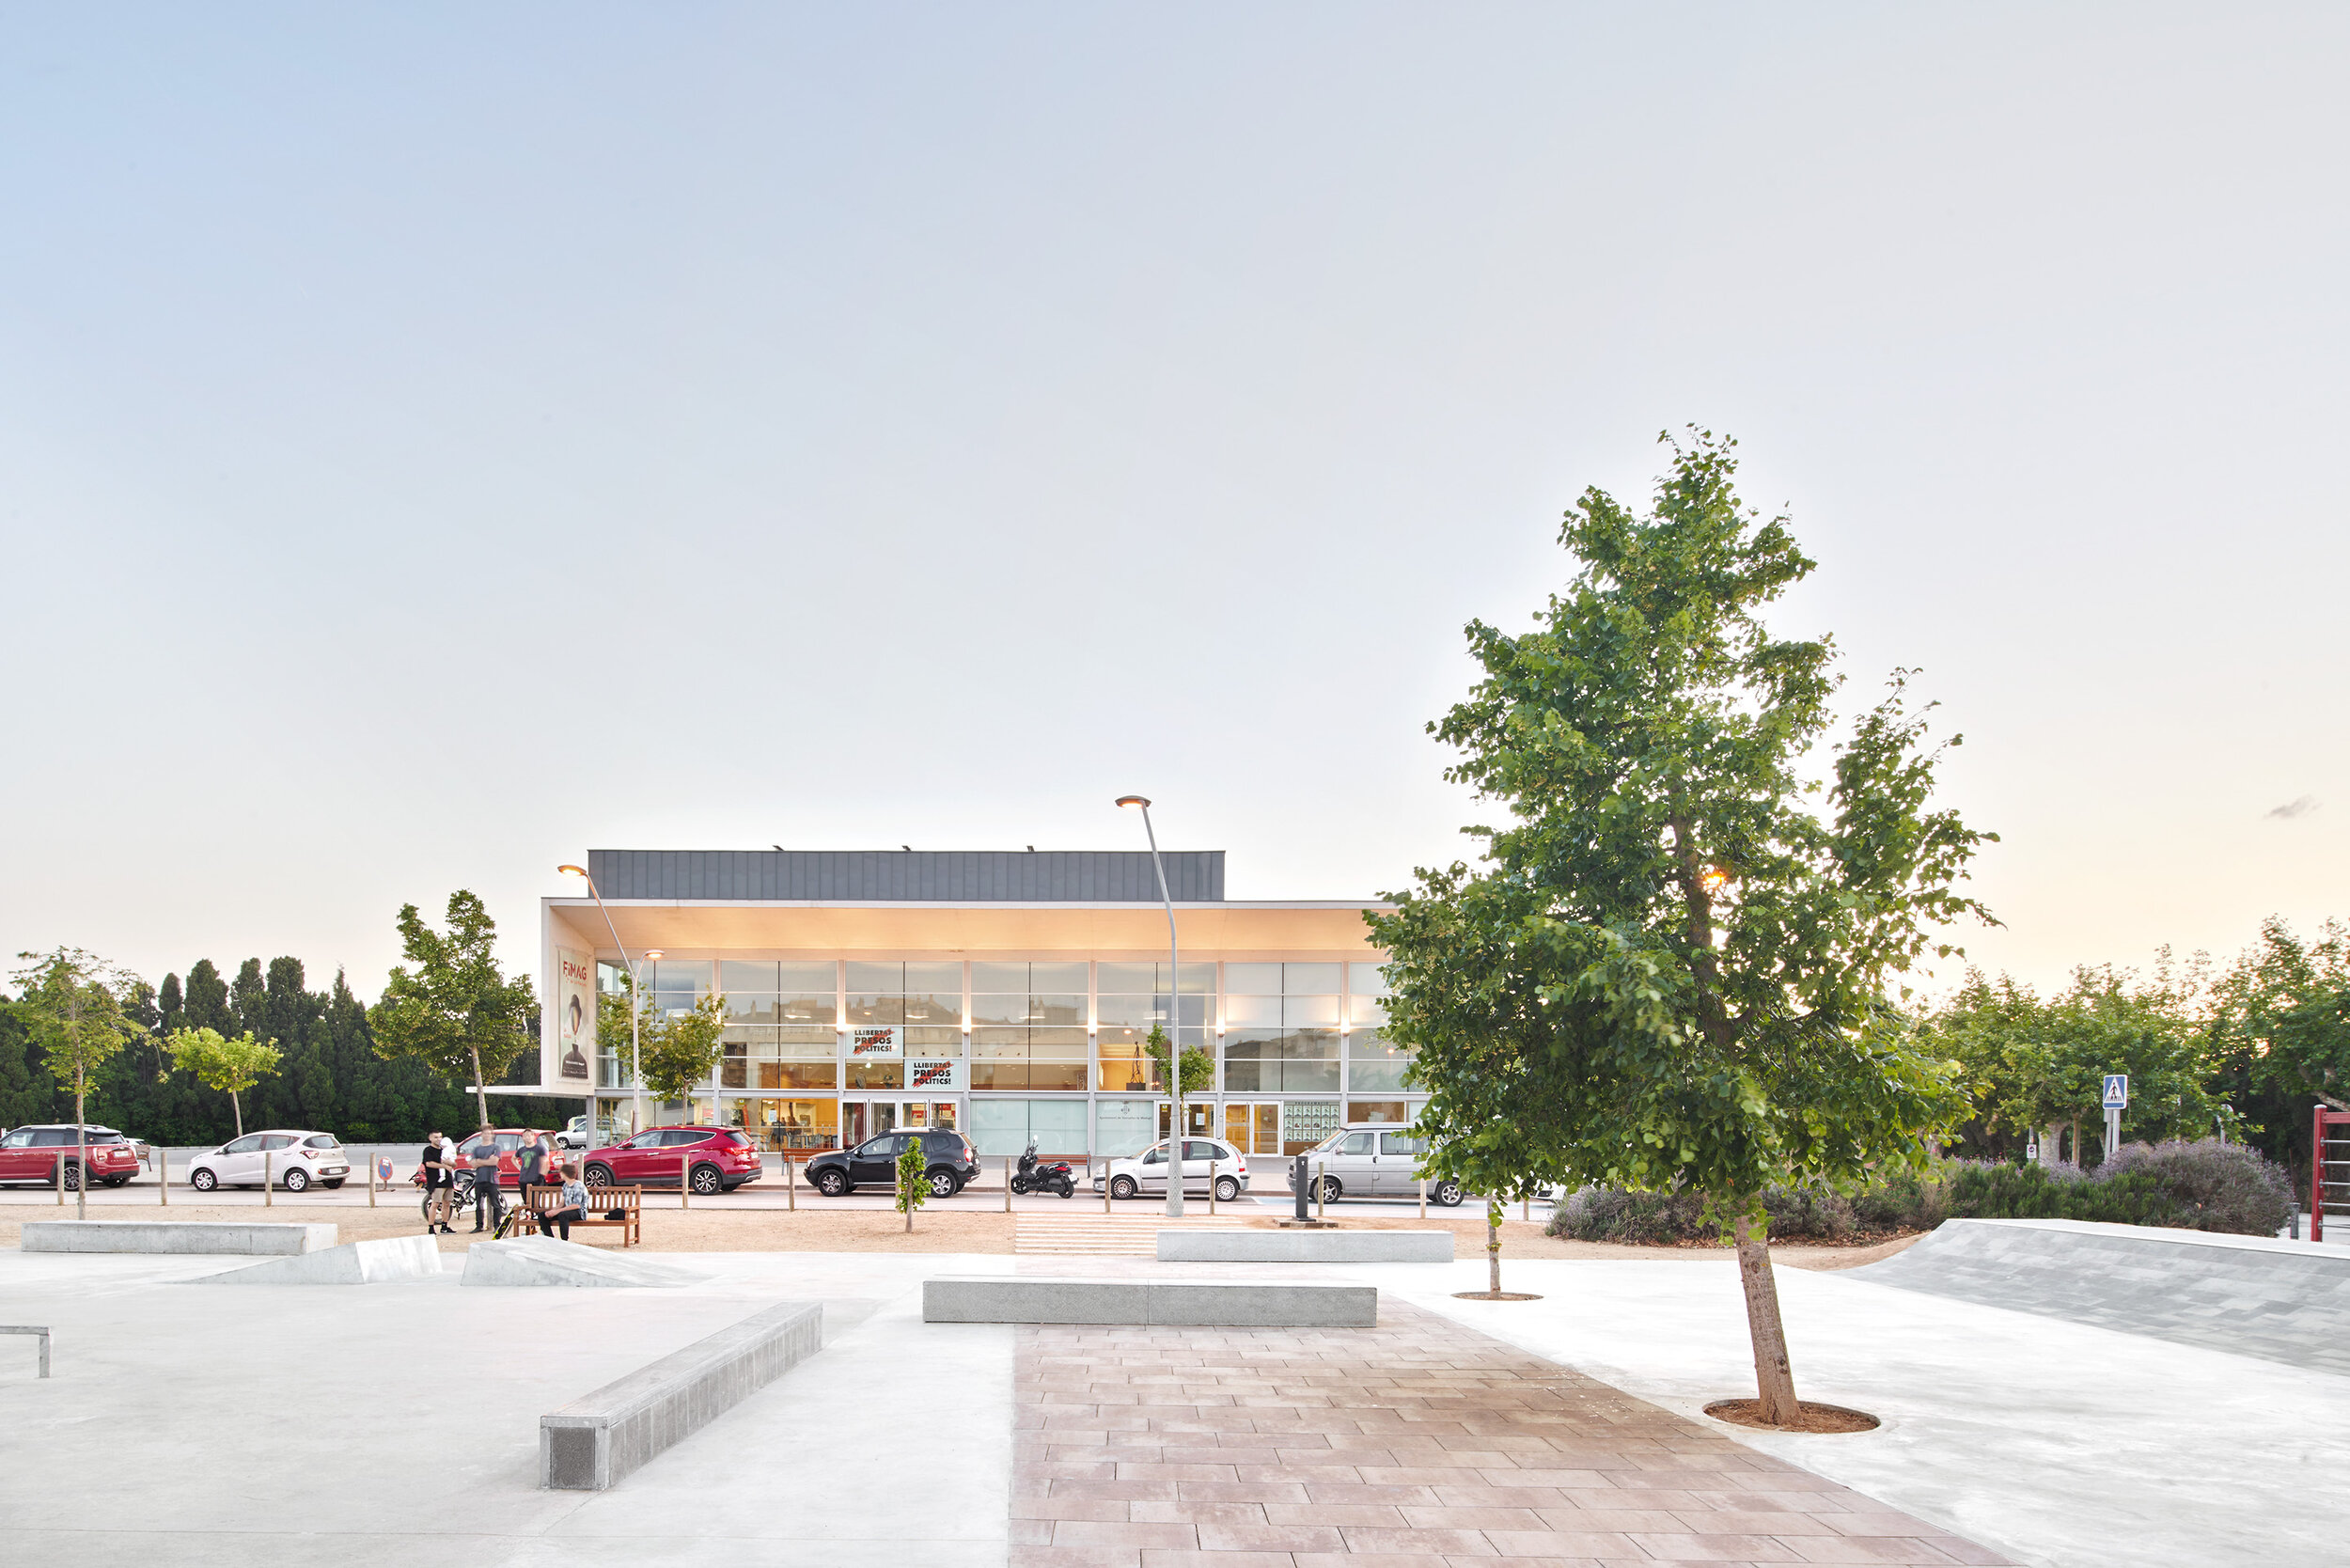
(2205, 1185)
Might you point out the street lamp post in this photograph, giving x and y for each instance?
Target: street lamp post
(636, 1061)
(1175, 1020)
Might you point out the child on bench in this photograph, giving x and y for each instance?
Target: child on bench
(573, 1205)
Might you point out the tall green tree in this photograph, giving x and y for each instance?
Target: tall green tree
(681, 1049)
(72, 1003)
(1199, 1067)
(1680, 962)
(449, 1007)
(228, 1066)
(208, 999)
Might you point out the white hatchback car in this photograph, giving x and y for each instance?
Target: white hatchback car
(291, 1160)
(1147, 1172)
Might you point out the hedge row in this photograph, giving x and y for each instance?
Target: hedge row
(2205, 1185)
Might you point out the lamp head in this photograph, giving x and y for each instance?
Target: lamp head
(1135, 802)
(653, 952)
(571, 871)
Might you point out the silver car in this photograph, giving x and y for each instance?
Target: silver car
(1147, 1172)
(1379, 1160)
(289, 1160)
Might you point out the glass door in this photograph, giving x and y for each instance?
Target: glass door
(864, 1119)
(1198, 1118)
(1253, 1127)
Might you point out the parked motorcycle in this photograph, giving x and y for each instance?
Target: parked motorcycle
(1032, 1177)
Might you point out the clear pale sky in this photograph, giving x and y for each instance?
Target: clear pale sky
(438, 439)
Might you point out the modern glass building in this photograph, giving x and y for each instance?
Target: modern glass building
(1007, 994)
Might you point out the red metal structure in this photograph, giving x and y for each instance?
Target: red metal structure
(2327, 1153)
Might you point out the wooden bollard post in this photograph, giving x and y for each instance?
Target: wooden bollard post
(163, 1175)
(791, 1184)
(1007, 1183)
(269, 1197)
(1211, 1180)
(684, 1181)
(1423, 1198)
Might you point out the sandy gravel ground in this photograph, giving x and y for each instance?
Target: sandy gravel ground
(667, 1229)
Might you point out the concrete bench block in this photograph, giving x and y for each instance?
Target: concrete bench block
(591, 1443)
(1305, 1247)
(1190, 1303)
(366, 1263)
(117, 1235)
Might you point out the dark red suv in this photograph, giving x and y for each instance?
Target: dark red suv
(713, 1160)
(31, 1155)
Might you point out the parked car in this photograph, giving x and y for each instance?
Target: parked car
(292, 1159)
(950, 1162)
(574, 1133)
(1375, 1160)
(1147, 1172)
(31, 1153)
(508, 1142)
(720, 1160)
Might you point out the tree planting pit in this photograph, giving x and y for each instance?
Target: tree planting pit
(1825, 1419)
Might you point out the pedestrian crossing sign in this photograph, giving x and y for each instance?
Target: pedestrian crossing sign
(2116, 1090)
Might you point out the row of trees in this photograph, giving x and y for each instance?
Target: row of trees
(2240, 1051)
(194, 1060)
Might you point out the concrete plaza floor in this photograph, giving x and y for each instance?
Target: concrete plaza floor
(373, 1424)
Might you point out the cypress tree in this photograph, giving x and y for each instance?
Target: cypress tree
(208, 1000)
(248, 999)
(174, 1010)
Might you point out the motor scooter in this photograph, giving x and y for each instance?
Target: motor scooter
(1032, 1177)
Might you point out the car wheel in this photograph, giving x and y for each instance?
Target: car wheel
(831, 1182)
(1331, 1189)
(73, 1177)
(1226, 1190)
(1122, 1187)
(943, 1183)
(1446, 1192)
(707, 1179)
(297, 1180)
(598, 1176)
(203, 1179)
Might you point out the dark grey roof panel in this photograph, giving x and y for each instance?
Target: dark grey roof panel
(928, 876)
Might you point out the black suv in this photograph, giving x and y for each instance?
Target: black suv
(951, 1163)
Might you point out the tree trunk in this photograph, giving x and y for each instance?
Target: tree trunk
(238, 1111)
(1774, 1378)
(81, 1150)
(2077, 1140)
(481, 1090)
(1493, 1244)
(2052, 1145)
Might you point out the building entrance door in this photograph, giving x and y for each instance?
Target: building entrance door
(864, 1119)
(1198, 1118)
(1253, 1127)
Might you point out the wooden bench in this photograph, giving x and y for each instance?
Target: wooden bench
(602, 1201)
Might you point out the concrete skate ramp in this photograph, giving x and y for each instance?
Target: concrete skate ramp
(172, 1236)
(545, 1261)
(366, 1263)
(2252, 1295)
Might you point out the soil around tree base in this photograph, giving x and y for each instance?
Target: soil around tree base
(1493, 1296)
(1811, 1416)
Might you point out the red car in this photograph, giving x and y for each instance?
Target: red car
(31, 1153)
(720, 1158)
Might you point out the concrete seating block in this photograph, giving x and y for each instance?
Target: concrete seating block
(166, 1236)
(592, 1442)
(1306, 1246)
(547, 1261)
(1192, 1302)
(973, 1299)
(366, 1263)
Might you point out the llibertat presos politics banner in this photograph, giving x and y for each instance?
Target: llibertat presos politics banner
(575, 1021)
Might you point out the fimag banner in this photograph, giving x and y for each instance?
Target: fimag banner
(575, 1018)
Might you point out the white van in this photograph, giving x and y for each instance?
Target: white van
(1375, 1160)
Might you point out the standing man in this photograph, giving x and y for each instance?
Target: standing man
(440, 1179)
(531, 1164)
(487, 1199)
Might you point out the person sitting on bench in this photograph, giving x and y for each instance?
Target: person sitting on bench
(573, 1205)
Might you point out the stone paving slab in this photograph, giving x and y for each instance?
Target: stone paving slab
(1416, 1444)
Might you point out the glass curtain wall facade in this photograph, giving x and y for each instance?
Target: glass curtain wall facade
(1049, 1049)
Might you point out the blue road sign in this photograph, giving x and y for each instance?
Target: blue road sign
(2117, 1092)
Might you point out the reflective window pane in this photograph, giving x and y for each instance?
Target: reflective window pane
(869, 1009)
(1309, 980)
(1059, 977)
(810, 1009)
(1253, 980)
(1365, 979)
(746, 974)
(998, 1009)
(878, 978)
(796, 974)
(1309, 1010)
(1239, 1010)
(1000, 978)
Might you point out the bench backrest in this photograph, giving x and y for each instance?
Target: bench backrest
(600, 1199)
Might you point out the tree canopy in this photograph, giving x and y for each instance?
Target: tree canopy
(227, 1065)
(450, 1007)
(1674, 967)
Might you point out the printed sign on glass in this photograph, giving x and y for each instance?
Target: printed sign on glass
(944, 1074)
(878, 1042)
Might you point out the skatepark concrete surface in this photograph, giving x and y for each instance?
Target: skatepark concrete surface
(2285, 1301)
(388, 1423)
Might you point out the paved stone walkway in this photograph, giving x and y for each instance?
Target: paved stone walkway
(1417, 1444)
